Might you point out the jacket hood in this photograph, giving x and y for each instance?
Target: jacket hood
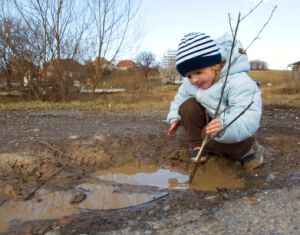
(239, 60)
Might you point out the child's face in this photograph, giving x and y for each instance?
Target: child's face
(202, 78)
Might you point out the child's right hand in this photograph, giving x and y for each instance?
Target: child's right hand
(172, 130)
(213, 127)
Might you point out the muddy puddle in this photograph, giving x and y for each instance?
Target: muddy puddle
(216, 174)
(106, 191)
(51, 205)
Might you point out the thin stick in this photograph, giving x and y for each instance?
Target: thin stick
(232, 121)
(197, 161)
(29, 196)
(208, 139)
(263, 27)
(252, 10)
(257, 35)
(227, 73)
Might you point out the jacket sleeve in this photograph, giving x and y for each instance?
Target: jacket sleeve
(239, 97)
(181, 96)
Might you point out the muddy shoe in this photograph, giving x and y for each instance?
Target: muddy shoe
(254, 159)
(194, 153)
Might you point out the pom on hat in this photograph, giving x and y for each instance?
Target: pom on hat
(196, 51)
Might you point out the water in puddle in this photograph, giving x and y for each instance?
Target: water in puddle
(145, 175)
(216, 173)
(50, 205)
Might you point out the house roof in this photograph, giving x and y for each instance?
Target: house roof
(295, 63)
(125, 63)
(101, 60)
(68, 64)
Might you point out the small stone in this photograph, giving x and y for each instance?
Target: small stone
(78, 197)
(270, 177)
(68, 219)
(251, 200)
(166, 208)
(73, 137)
(211, 198)
(53, 232)
(27, 231)
(99, 137)
(295, 175)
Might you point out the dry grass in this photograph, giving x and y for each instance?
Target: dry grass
(277, 87)
(275, 77)
(138, 100)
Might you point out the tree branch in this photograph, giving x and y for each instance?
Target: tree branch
(198, 159)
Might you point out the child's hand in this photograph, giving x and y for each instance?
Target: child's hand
(213, 127)
(173, 128)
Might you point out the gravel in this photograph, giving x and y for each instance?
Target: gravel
(271, 212)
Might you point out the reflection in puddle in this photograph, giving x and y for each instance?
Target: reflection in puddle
(148, 176)
(51, 205)
(216, 173)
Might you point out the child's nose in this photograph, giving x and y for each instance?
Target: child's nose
(194, 79)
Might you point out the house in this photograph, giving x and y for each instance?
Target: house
(126, 65)
(102, 63)
(295, 70)
(69, 67)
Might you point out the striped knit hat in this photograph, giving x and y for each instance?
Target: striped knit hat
(196, 51)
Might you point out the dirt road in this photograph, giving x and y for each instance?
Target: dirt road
(72, 172)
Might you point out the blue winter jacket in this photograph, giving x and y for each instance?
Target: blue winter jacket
(239, 91)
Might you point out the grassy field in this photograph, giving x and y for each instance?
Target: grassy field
(277, 88)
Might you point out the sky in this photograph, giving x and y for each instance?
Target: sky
(165, 22)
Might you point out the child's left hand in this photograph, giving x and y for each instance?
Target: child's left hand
(213, 127)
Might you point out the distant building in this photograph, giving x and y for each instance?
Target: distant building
(168, 72)
(126, 65)
(103, 63)
(69, 67)
(169, 58)
(295, 70)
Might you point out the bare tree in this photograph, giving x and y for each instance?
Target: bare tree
(15, 54)
(145, 61)
(111, 33)
(60, 30)
(258, 65)
(6, 53)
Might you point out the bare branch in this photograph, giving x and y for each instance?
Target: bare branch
(228, 69)
(263, 27)
(230, 25)
(232, 121)
(198, 159)
(29, 196)
(208, 139)
(252, 10)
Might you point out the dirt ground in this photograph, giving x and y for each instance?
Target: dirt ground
(65, 151)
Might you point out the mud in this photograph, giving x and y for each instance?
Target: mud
(84, 172)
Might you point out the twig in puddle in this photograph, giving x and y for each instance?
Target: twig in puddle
(29, 196)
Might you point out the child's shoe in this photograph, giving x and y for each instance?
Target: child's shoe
(254, 158)
(194, 153)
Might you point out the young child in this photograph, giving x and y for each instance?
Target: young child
(203, 63)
